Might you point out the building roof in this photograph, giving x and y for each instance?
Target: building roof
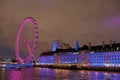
(97, 48)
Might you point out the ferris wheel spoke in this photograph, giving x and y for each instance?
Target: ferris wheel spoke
(30, 47)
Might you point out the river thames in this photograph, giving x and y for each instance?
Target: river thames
(56, 74)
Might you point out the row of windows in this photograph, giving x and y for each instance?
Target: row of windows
(101, 57)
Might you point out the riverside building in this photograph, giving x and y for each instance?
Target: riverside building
(105, 56)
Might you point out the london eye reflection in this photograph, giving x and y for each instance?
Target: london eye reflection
(24, 74)
(14, 75)
(57, 74)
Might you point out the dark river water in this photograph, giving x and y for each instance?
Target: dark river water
(55, 74)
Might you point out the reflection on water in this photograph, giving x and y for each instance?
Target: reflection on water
(55, 74)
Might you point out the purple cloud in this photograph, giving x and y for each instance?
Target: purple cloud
(113, 22)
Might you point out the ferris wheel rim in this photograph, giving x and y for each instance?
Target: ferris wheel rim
(35, 41)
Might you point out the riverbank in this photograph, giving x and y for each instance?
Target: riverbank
(78, 67)
(67, 66)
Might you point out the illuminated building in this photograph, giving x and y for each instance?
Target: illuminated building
(95, 56)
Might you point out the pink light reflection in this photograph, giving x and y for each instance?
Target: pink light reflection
(15, 75)
(24, 74)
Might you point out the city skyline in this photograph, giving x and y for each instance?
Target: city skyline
(67, 20)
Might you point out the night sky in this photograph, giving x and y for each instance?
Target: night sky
(68, 20)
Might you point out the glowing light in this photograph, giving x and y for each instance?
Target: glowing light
(32, 49)
(100, 59)
(76, 45)
(54, 46)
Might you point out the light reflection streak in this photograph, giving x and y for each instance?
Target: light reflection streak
(57, 74)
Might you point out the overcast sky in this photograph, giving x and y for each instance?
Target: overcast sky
(68, 20)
